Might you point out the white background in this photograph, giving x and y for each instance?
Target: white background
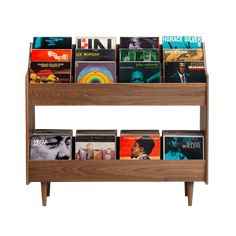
(118, 208)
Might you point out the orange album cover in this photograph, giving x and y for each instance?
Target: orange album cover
(139, 147)
(52, 55)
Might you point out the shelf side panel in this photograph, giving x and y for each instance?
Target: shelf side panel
(29, 127)
(204, 126)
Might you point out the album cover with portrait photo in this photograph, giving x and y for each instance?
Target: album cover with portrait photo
(184, 72)
(51, 145)
(139, 145)
(139, 72)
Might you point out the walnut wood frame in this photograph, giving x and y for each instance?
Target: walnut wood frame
(116, 94)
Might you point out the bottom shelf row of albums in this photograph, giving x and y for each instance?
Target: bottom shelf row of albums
(105, 145)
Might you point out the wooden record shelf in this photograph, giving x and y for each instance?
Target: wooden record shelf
(187, 171)
(116, 94)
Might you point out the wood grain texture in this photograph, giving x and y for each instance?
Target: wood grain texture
(117, 94)
(189, 186)
(44, 187)
(75, 170)
(204, 126)
(30, 126)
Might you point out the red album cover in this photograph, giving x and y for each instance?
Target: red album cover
(52, 55)
(139, 147)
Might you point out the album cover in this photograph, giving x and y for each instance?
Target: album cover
(52, 55)
(52, 43)
(95, 72)
(184, 72)
(183, 146)
(129, 55)
(95, 42)
(95, 145)
(139, 42)
(139, 145)
(170, 55)
(173, 42)
(139, 72)
(51, 146)
(95, 54)
(50, 72)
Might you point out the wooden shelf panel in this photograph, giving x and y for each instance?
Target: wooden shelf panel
(117, 94)
(74, 170)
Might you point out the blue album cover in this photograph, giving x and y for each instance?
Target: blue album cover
(52, 43)
(183, 147)
(181, 42)
(139, 72)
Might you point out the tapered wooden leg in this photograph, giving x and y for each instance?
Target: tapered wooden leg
(44, 190)
(185, 189)
(48, 189)
(190, 192)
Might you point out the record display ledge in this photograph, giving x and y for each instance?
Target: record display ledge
(187, 171)
(117, 94)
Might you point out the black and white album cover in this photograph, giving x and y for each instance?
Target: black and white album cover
(51, 146)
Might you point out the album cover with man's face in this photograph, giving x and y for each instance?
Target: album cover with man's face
(184, 72)
(51, 146)
(139, 72)
(139, 147)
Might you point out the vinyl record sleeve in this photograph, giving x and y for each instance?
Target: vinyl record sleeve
(194, 72)
(95, 72)
(51, 146)
(141, 145)
(183, 147)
